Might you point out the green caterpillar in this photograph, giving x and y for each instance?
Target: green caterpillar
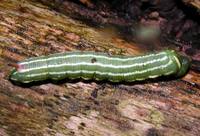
(100, 66)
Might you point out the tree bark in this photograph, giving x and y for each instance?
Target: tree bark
(28, 29)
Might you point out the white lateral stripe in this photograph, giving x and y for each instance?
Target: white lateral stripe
(38, 74)
(90, 55)
(168, 73)
(177, 61)
(95, 64)
(107, 73)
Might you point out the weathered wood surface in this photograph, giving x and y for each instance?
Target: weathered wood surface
(84, 108)
(193, 3)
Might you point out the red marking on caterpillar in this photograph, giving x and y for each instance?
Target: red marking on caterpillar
(20, 67)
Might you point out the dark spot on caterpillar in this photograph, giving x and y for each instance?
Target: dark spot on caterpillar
(93, 60)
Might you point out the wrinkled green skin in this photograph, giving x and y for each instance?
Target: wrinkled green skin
(177, 72)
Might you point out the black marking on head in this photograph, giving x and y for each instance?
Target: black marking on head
(93, 60)
(15, 65)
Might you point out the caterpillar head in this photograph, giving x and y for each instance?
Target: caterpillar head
(182, 62)
(185, 65)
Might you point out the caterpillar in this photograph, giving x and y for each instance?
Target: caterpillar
(100, 66)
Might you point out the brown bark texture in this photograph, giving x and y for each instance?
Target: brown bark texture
(85, 108)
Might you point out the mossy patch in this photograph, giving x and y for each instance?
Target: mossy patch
(156, 117)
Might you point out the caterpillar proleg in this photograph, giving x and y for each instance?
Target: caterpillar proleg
(100, 66)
